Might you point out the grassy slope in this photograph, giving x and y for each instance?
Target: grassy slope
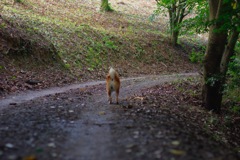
(79, 30)
(90, 41)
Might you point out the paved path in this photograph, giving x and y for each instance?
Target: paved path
(77, 123)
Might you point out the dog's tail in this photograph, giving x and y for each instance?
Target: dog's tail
(112, 73)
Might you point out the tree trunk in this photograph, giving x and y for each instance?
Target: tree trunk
(176, 15)
(105, 6)
(174, 37)
(212, 88)
(228, 53)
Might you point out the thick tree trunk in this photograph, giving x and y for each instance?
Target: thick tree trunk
(212, 88)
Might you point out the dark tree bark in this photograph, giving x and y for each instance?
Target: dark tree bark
(212, 88)
(219, 50)
(174, 37)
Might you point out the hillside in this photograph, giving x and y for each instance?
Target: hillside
(85, 42)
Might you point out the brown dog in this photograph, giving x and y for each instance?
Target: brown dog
(113, 84)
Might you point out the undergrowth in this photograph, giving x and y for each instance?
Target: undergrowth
(232, 88)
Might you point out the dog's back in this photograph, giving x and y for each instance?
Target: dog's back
(114, 78)
(113, 83)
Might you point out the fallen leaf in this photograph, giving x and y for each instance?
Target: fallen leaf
(177, 152)
(131, 145)
(70, 111)
(51, 145)
(31, 157)
(12, 157)
(9, 145)
(175, 143)
(101, 113)
(141, 98)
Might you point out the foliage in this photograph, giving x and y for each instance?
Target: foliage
(196, 57)
(232, 88)
(2, 25)
(67, 66)
(199, 22)
(234, 71)
(177, 11)
(211, 81)
(96, 54)
(18, 1)
(234, 68)
(232, 15)
(109, 43)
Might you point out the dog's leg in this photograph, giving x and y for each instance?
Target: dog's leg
(117, 93)
(109, 97)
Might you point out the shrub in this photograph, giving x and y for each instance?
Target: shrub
(196, 57)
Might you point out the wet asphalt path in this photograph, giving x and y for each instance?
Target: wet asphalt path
(82, 131)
